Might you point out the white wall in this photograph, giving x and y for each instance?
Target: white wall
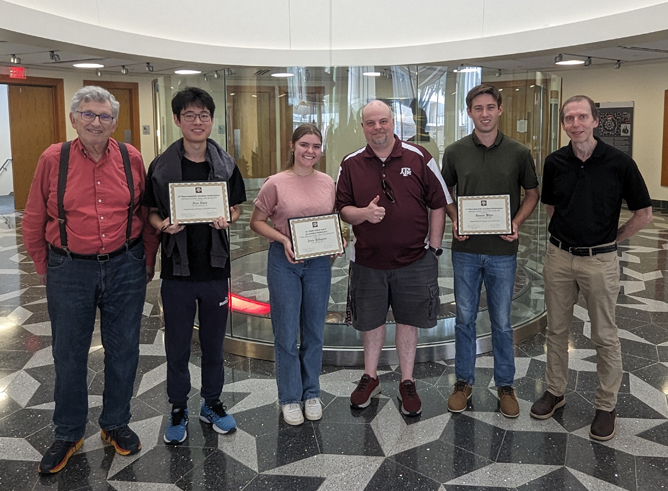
(6, 176)
(73, 81)
(330, 32)
(646, 86)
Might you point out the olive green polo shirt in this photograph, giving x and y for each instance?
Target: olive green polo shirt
(504, 168)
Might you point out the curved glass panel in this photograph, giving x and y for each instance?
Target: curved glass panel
(257, 112)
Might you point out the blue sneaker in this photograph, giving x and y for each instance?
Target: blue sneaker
(216, 415)
(176, 432)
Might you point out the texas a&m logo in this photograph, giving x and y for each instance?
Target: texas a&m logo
(405, 171)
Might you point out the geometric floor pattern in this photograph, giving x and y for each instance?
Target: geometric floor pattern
(372, 449)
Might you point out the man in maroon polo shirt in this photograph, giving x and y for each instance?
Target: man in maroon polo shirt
(393, 195)
(83, 228)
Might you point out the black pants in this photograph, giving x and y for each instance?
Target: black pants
(180, 301)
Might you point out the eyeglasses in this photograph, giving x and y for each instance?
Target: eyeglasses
(387, 190)
(190, 117)
(89, 117)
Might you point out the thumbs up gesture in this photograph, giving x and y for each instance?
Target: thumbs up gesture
(375, 213)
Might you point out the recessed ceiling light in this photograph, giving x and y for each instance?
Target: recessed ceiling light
(570, 62)
(282, 75)
(88, 65)
(371, 74)
(187, 72)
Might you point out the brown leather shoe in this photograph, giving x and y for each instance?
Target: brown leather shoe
(603, 426)
(459, 398)
(508, 404)
(545, 407)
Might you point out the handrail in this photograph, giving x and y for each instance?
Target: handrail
(4, 166)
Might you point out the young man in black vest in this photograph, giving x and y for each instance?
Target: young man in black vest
(195, 261)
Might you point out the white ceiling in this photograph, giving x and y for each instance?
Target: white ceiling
(652, 48)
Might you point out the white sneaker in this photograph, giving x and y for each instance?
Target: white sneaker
(292, 414)
(313, 409)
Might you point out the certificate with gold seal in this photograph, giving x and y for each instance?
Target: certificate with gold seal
(198, 202)
(316, 236)
(480, 215)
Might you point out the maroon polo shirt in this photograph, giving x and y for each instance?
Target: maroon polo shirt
(412, 174)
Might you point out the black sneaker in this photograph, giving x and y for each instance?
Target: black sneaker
(124, 440)
(56, 457)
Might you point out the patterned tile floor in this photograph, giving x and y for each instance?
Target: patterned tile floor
(372, 449)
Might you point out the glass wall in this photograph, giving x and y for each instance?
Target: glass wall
(258, 108)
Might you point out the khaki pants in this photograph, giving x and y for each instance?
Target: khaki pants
(597, 277)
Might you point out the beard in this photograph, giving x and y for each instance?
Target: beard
(379, 139)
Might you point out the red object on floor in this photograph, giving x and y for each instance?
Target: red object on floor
(253, 307)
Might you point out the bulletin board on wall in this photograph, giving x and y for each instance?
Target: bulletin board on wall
(615, 125)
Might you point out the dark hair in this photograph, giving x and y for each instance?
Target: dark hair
(298, 134)
(483, 89)
(578, 98)
(192, 96)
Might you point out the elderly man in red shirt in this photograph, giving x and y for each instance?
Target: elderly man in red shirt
(87, 233)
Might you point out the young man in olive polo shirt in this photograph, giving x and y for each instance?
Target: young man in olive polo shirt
(487, 163)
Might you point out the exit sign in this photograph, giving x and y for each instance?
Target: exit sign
(17, 72)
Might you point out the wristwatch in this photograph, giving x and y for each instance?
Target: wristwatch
(436, 252)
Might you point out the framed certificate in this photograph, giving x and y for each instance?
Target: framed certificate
(198, 202)
(479, 215)
(316, 236)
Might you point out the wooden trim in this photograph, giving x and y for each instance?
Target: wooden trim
(134, 109)
(58, 88)
(664, 156)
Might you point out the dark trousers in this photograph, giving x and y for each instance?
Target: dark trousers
(181, 300)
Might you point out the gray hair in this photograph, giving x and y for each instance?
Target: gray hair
(96, 94)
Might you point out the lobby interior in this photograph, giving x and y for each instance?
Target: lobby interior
(327, 77)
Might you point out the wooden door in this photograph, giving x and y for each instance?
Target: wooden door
(33, 128)
(251, 134)
(127, 95)
(123, 131)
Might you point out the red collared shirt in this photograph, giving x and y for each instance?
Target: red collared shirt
(96, 204)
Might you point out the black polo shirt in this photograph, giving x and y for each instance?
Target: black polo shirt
(587, 196)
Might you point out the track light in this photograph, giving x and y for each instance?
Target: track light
(588, 61)
(205, 77)
(559, 58)
(216, 74)
(98, 72)
(124, 70)
(55, 57)
(15, 59)
(618, 65)
(498, 73)
(149, 67)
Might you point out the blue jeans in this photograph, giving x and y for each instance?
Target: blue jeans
(75, 289)
(498, 273)
(298, 295)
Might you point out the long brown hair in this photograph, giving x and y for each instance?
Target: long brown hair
(304, 129)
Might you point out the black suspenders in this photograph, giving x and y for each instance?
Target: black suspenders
(62, 184)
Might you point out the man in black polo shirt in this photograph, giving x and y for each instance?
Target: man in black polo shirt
(487, 163)
(583, 187)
